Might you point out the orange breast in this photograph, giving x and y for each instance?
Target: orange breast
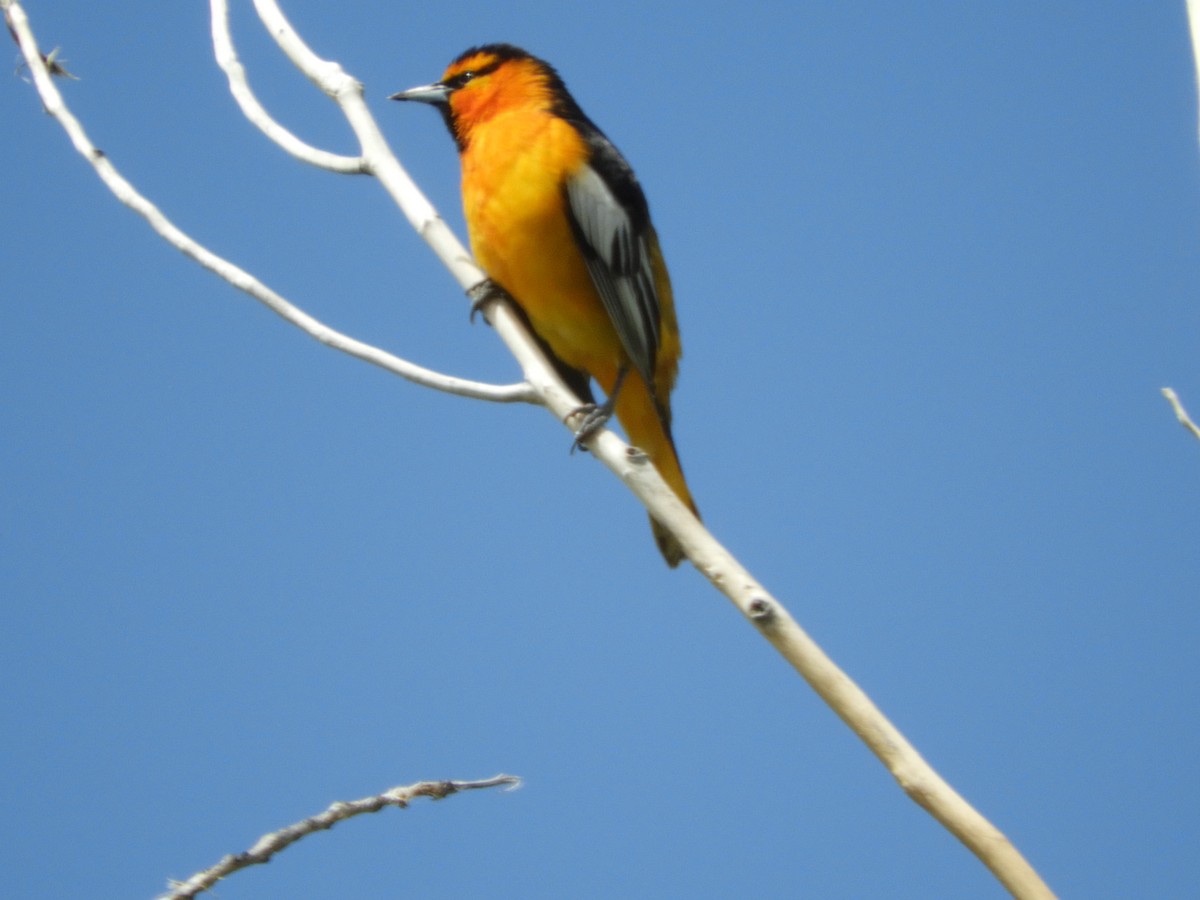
(513, 172)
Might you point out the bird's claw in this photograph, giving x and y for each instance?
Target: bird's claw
(595, 416)
(482, 294)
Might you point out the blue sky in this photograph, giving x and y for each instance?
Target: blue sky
(932, 267)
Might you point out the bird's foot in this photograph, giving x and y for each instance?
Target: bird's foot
(482, 294)
(595, 416)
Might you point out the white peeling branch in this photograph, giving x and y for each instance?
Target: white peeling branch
(270, 844)
(227, 59)
(238, 277)
(919, 780)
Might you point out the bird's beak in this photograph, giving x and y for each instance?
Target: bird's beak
(437, 94)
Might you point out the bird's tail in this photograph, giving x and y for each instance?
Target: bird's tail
(649, 429)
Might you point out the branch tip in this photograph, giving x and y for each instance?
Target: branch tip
(1180, 413)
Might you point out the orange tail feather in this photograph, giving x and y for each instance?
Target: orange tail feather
(651, 433)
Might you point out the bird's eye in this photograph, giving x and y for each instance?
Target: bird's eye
(460, 79)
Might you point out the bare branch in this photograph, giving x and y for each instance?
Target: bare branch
(227, 59)
(238, 277)
(270, 844)
(917, 778)
(1181, 413)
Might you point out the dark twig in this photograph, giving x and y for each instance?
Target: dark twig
(270, 844)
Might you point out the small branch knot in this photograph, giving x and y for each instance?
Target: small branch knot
(760, 611)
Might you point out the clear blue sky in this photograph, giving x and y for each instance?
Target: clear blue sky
(932, 268)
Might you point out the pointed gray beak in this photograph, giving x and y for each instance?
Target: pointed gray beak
(436, 94)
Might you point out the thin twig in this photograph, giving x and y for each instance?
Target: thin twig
(227, 59)
(270, 844)
(1181, 413)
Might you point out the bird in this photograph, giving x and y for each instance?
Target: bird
(558, 220)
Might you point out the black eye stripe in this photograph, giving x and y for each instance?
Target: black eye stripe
(462, 78)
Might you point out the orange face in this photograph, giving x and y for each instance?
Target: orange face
(485, 83)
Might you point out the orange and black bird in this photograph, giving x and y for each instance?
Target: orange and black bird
(558, 220)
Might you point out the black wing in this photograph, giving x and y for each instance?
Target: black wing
(611, 224)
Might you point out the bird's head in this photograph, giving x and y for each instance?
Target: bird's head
(486, 81)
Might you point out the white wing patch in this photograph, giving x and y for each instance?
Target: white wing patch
(618, 260)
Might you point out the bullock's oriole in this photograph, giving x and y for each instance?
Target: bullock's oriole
(558, 220)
